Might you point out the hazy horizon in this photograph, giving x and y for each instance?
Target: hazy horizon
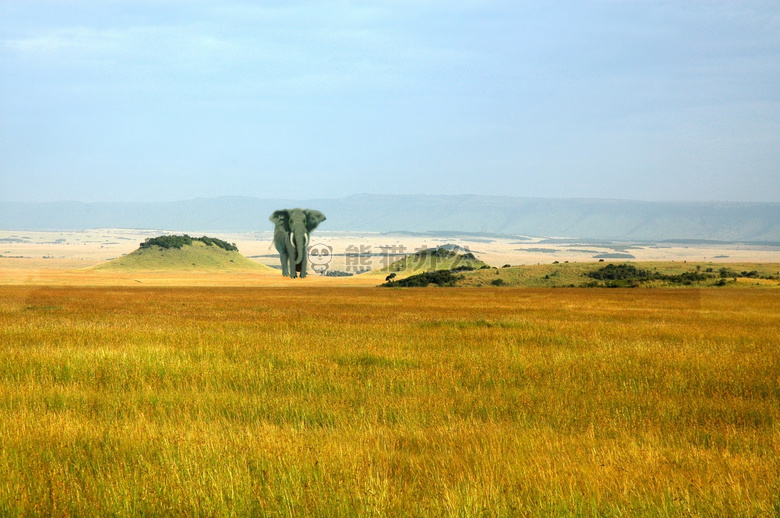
(377, 194)
(133, 101)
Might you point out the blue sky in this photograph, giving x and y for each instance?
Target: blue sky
(169, 100)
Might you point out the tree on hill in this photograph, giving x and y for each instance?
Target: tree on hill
(213, 241)
(177, 242)
(439, 258)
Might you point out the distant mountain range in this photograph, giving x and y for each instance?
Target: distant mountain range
(576, 218)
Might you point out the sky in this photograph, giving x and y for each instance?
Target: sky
(166, 100)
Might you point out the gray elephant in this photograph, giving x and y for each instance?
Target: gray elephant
(291, 237)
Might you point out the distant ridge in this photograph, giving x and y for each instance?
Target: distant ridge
(576, 218)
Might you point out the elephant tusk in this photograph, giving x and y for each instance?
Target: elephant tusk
(292, 239)
(306, 240)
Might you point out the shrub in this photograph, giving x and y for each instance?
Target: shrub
(464, 268)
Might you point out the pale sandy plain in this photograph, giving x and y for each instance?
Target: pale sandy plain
(50, 258)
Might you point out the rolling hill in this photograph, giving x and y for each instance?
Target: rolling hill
(195, 256)
(607, 275)
(446, 257)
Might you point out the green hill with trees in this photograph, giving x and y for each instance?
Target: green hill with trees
(600, 275)
(446, 257)
(184, 253)
(626, 275)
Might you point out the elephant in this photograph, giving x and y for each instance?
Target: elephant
(291, 238)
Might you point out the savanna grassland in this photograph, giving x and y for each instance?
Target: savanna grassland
(362, 401)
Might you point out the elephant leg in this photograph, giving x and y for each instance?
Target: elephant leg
(283, 257)
(303, 266)
(293, 274)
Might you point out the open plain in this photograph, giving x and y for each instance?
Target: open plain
(72, 250)
(360, 401)
(223, 394)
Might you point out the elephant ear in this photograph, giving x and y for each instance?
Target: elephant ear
(281, 217)
(313, 218)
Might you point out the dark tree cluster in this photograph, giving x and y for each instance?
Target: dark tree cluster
(464, 268)
(177, 242)
(437, 252)
(621, 272)
(338, 273)
(686, 278)
(627, 275)
(213, 241)
(753, 274)
(439, 278)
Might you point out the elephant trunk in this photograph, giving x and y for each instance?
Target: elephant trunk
(300, 245)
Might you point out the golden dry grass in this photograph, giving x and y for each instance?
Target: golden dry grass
(343, 401)
(26, 272)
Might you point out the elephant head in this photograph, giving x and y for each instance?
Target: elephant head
(291, 236)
